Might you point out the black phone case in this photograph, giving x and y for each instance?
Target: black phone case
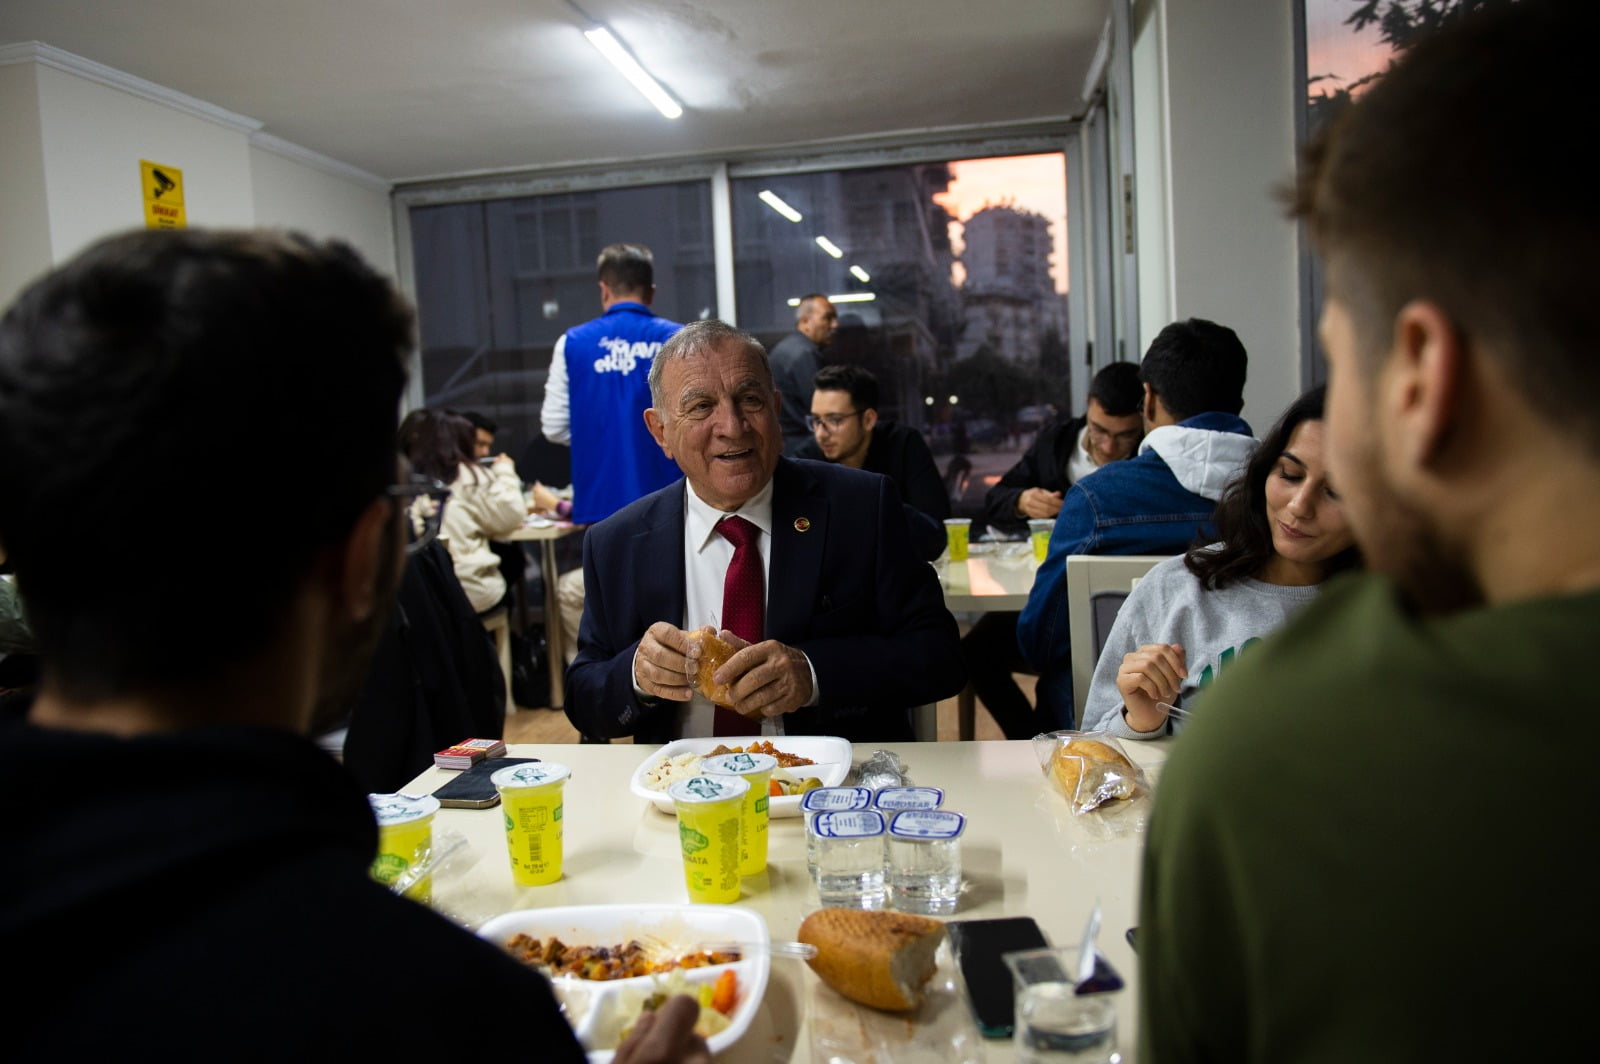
(472, 789)
(978, 946)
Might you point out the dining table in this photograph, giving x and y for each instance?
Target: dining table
(995, 577)
(1024, 852)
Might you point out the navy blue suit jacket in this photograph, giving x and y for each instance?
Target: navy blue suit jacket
(848, 591)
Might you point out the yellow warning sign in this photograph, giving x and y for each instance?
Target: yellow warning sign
(163, 195)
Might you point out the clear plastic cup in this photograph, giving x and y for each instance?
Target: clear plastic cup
(924, 847)
(756, 770)
(1039, 529)
(850, 859)
(829, 800)
(710, 816)
(1055, 1024)
(405, 835)
(531, 796)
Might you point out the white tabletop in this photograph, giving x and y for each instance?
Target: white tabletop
(995, 577)
(1023, 853)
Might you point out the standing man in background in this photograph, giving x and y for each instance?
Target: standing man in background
(597, 391)
(795, 360)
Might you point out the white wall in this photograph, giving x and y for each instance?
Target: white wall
(24, 225)
(74, 133)
(1218, 92)
(324, 201)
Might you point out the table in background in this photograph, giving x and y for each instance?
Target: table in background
(1023, 854)
(995, 578)
(546, 535)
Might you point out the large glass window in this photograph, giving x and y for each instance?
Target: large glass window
(950, 283)
(499, 281)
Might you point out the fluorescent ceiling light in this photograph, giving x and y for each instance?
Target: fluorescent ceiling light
(846, 297)
(860, 274)
(830, 247)
(770, 198)
(637, 76)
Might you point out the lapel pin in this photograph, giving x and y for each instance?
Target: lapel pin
(802, 524)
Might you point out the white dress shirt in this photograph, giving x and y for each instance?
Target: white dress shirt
(706, 557)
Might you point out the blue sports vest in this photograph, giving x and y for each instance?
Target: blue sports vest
(614, 458)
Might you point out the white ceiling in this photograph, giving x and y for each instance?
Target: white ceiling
(412, 89)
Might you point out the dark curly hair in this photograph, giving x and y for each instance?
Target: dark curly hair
(1241, 517)
(437, 442)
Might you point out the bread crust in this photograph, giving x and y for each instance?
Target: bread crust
(714, 653)
(1079, 756)
(879, 958)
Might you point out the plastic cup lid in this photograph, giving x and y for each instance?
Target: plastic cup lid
(739, 764)
(836, 799)
(392, 809)
(702, 790)
(927, 824)
(851, 824)
(910, 798)
(530, 774)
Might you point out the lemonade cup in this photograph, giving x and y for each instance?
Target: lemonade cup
(756, 770)
(405, 835)
(957, 532)
(710, 816)
(1039, 529)
(531, 796)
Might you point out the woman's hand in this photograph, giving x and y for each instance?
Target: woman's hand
(1153, 673)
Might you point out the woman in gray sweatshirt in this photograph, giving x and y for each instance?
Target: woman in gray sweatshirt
(1281, 533)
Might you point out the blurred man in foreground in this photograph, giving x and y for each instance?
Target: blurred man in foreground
(208, 862)
(1349, 841)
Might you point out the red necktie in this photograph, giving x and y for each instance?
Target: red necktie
(743, 605)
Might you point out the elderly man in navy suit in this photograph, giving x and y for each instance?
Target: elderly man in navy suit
(805, 568)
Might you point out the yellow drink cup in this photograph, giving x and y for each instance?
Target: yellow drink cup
(957, 531)
(710, 816)
(756, 770)
(531, 796)
(1039, 529)
(405, 837)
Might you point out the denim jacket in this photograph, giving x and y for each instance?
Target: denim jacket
(1157, 502)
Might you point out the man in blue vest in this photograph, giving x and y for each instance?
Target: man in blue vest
(598, 390)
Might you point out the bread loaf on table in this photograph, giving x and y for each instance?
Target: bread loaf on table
(882, 959)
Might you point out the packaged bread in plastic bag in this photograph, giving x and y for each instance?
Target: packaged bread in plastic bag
(1089, 768)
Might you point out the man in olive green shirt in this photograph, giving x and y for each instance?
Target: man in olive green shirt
(1370, 845)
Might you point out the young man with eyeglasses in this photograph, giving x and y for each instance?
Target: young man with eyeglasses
(1065, 451)
(179, 838)
(846, 429)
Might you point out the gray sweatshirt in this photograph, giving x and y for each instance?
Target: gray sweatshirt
(1213, 627)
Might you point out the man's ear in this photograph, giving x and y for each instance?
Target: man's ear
(658, 429)
(1149, 407)
(869, 418)
(1420, 385)
(361, 562)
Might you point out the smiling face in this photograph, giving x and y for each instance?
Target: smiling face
(719, 422)
(1305, 515)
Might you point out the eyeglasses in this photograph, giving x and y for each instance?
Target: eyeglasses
(832, 422)
(1122, 439)
(424, 509)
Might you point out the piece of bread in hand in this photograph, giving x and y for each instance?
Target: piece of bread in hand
(879, 958)
(714, 653)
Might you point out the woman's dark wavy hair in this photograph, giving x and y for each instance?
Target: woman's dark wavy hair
(437, 442)
(1241, 517)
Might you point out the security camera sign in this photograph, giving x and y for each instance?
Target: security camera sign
(163, 195)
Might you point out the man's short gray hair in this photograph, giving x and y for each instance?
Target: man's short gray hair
(699, 338)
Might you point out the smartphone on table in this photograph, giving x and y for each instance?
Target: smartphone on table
(472, 788)
(978, 946)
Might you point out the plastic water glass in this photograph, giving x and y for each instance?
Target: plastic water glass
(828, 800)
(405, 836)
(892, 800)
(1054, 1023)
(850, 859)
(925, 861)
(531, 798)
(710, 817)
(756, 770)
(1039, 529)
